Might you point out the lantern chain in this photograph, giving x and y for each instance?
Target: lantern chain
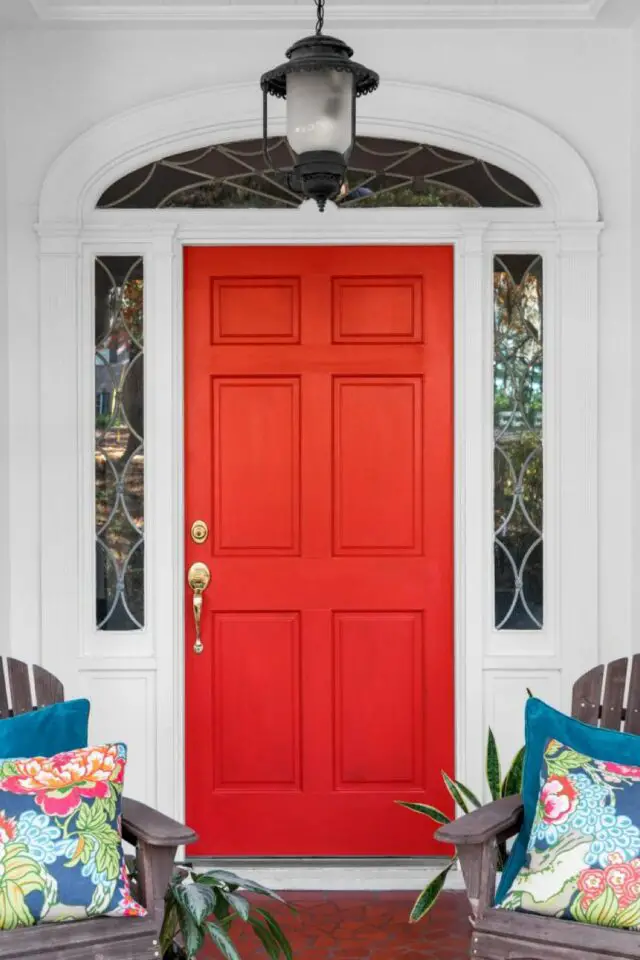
(320, 20)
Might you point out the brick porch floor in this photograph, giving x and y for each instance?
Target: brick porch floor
(367, 926)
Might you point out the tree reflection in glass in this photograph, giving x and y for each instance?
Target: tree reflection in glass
(119, 442)
(518, 455)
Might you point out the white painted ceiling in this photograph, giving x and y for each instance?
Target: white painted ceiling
(435, 12)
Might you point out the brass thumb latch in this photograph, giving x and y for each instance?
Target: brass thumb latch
(198, 578)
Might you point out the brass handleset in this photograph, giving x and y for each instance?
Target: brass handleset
(198, 578)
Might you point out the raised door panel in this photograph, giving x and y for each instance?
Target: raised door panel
(255, 310)
(377, 466)
(256, 701)
(378, 700)
(377, 309)
(256, 465)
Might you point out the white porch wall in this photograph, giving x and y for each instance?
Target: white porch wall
(4, 391)
(635, 335)
(58, 83)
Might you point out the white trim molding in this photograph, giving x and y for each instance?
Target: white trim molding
(291, 15)
(405, 111)
(490, 666)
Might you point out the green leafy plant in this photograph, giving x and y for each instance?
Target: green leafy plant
(201, 906)
(467, 801)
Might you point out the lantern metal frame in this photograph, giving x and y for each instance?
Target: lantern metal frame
(317, 174)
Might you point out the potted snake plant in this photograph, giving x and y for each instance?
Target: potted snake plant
(464, 798)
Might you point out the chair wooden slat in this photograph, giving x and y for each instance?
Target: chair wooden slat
(4, 700)
(614, 684)
(585, 704)
(19, 686)
(632, 720)
(48, 688)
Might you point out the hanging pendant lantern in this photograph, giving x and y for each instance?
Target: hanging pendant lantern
(320, 83)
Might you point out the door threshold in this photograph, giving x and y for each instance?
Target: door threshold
(348, 873)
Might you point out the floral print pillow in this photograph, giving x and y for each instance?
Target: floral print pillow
(583, 856)
(61, 855)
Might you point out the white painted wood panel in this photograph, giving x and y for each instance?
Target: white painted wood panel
(123, 710)
(505, 697)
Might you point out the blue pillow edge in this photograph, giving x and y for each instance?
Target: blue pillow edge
(59, 727)
(543, 723)
(518, 852)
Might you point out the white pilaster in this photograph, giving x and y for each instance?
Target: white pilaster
(59, 451)
(576, 416)
(472, 489)
(164, 527)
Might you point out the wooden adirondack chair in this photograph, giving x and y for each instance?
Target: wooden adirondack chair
(598, 699)
(155, 837)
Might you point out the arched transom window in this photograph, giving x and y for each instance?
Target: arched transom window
(382, 173)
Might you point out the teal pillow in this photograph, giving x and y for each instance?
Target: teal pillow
(542, 724)
(45, 732)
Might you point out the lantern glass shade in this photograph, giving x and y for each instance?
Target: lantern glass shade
(320, 111)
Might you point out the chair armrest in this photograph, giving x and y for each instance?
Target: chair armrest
(502, 819)
(152, 827)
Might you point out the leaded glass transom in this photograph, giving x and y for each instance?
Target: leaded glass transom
(119, 442)
(382, 173)
(518, 457)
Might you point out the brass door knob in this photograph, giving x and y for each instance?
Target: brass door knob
(198, 578)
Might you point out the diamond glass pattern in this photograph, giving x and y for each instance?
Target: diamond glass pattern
(382, 173)
(518, 459)
(119, 443)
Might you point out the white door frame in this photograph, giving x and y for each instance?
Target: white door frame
(140, 676)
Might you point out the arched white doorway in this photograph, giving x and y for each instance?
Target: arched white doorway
(140, 676)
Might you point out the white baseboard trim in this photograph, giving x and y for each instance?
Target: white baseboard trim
(321, 875)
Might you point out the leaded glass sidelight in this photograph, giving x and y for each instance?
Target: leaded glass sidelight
(518, 458)
(119, 442)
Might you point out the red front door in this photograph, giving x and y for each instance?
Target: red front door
(319, 452)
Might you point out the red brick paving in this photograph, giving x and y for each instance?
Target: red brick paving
(365, 926)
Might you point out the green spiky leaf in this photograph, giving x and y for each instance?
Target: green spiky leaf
(452, 787)
(436, 815)
(493, 766)
(429, 895)
(512, 783)
(468, 794)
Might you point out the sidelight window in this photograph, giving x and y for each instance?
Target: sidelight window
(119, 442)
(517, 445)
